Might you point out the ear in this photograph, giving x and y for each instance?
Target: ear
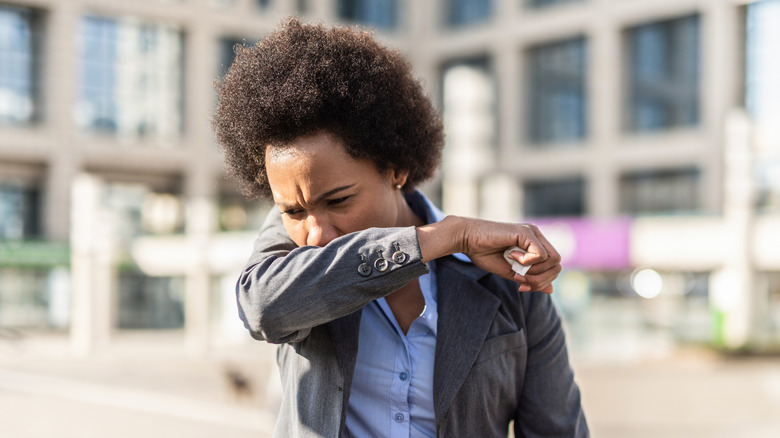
(399, 176)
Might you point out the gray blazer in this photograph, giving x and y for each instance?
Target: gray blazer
(500, 355)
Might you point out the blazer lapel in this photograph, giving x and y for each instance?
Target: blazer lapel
(466, 311)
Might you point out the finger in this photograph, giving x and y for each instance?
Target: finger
(544, 280)
(529, 240)
(548, 265)
(552, 253)
(554, 257)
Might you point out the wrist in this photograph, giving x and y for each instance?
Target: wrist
(441, 238)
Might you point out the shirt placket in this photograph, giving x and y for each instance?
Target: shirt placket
(400, 391)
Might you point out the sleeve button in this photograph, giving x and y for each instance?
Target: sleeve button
(381, 265)
(399, 257)
(364, 269)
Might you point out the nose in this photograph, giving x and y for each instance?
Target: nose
(320, 230)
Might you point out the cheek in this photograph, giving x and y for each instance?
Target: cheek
(296, 231)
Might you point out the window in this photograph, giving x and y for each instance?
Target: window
(18, 65)
(302, 7)
(557, 99)
(545, 3)
(227, 51)
(376, 13)
(236, 213)
(762, 90)
(138, 209)
(762, 94)
(659, 191)
(554, 198)
(149, 302)
(34, 297)
(131, 78)
(465, 12)
(19, 212)
(470, 104)
(663, 75)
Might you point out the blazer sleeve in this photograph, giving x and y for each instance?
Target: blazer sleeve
(550, 403)
(284, 290)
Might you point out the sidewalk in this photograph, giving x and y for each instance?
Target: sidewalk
(153, 389)
(132, 390)
(690, 394)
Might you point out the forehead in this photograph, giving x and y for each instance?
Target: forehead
(313, 163)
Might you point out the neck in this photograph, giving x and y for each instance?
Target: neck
(407, 217)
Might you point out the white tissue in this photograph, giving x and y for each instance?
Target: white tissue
(516, 266)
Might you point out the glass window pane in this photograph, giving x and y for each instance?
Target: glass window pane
(227, 51)
(132, 81)
(19, 216)
(557, 98)
(762, 96)
(762, 89)
(545, 3)
(663, 74)
(375, 13)
(464, 12)
(18, 57)
(33, 298)
(660, 191)
(302, 7)
(554, 198)
(146, 302)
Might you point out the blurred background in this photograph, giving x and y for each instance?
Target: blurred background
(642, 136)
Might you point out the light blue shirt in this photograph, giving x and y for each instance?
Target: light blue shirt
(392, 387)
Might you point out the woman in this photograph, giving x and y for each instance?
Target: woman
(392, 319)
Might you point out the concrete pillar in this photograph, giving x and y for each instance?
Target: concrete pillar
(731, 286)
(721, 88)
(500, 198)
(61, 24)
(604, 113)
(469, 114)
(93, 257)
(198, 278)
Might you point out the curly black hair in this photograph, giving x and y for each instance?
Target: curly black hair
(305, 78)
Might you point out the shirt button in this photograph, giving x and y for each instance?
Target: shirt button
(404, 375)
(399, 418)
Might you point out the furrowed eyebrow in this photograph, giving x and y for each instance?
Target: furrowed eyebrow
(316, 200)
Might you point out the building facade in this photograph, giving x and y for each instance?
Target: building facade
(641, 135)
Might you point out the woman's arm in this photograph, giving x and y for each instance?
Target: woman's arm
(485, 241)
(286, 290)
(550, 403)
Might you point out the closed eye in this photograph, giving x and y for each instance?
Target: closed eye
(338, 200)
(292, 211)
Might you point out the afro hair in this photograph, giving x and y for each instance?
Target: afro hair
(305, 78)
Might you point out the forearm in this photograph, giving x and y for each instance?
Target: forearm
(285, 291)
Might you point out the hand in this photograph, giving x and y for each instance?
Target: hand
(484, 242)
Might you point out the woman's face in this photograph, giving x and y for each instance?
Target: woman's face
(324, 193)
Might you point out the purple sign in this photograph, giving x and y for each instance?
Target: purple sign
(589, 243)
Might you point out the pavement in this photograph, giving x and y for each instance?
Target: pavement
(151, 386)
